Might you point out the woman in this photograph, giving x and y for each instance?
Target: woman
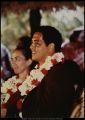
(21, 60)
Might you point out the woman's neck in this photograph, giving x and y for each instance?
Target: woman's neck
(23, 75)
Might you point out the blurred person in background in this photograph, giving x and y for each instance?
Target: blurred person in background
(5, 63)
(74, 50)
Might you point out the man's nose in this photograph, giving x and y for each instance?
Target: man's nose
(32, 47)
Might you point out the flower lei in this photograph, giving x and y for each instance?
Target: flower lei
(37, 74)
(8, 88)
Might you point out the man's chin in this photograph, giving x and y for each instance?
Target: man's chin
(35, 59)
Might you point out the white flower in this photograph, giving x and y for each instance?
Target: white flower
(58, 56)
(26, 86)
(4, 98)
(3, 89)
(47, 65)
(20, 114)
(10, 84)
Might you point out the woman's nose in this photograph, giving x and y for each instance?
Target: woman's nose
(13, 63)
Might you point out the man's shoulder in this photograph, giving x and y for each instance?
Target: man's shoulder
(66, 66)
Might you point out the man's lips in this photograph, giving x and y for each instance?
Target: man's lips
(33, 53)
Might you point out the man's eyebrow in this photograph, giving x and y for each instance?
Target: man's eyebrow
(36, 40)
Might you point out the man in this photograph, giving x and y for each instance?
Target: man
(55, 94)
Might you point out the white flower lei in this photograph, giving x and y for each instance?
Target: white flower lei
(38, 74)
(9, 87)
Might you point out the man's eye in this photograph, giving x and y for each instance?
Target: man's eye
(37, 44)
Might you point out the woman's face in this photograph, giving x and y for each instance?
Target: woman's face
(19, 63)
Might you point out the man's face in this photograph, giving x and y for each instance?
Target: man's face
(39, 48)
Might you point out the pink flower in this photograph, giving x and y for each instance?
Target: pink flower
(54, 61)
(35, 82)
(63, 60)
(4, 105)
(18, 84)
(44, 71)
(9, 91)
(27, 91)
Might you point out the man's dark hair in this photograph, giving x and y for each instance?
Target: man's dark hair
(51, 35)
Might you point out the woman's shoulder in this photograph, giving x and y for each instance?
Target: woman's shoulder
(9, 80)
(12, 78)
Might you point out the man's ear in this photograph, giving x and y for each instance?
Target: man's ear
(51, 48)
(29, 62)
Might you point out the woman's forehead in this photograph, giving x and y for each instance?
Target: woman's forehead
(17, 52)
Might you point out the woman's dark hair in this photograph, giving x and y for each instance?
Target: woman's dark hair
(51, 35)
(24, 42)
(26, 52)
(24, 46)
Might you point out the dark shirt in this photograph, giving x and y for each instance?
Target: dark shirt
(54, 96)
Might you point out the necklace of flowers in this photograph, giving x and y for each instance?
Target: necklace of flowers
(8, 88)
(37, 74)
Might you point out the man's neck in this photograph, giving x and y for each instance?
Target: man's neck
(43, 60)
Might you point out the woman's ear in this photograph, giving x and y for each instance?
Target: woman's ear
(29, 62)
